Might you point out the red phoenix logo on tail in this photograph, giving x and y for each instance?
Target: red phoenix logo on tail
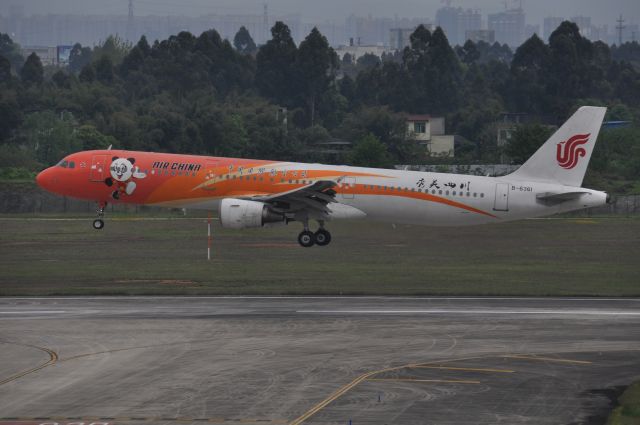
(570, 150)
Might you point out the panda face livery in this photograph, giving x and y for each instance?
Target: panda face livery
(123, 173)
(121, 169)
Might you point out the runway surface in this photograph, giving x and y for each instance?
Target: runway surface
(315, 360)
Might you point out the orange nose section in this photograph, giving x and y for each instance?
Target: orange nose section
(46, 179)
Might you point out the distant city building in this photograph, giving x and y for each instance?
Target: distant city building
(373, 31)
(509, 26)
(550, 24)
(47, 55)
(455, 22)
(356, 51)
(429, 132)
(89, 30)
(488, 36)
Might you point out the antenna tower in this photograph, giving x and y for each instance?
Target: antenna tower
(620, 27)
(130, 22)
(265, 21)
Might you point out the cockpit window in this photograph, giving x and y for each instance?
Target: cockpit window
(64, 163)
(72, 164)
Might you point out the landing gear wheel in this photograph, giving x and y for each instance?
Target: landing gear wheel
(323, 237)
(306, 239)
(98, 224)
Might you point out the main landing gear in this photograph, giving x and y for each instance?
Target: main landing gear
(98, 223)
(321, 237)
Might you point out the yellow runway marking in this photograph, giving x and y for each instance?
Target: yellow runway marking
(53, 358)
(346, 388)
(465, 369)
(442, 381)
(546, 359)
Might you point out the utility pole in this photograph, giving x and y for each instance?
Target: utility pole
(130, 34)
(620, 27)
(265, 22)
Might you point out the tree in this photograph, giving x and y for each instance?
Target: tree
(88, 74)
(275, 75)
(468, 53)
(11, 51)
(571, 71)
(61, 79)
(11, 117)
(91, 138)
(5, 70)
(79, 58)
(243, 42)
(370, 152)
(368, 60)
(316, 65)
(529, 77)
(50, 135)
(104, 70)
(114, 47)
(32, 72)
(434, 73)
(525, 141)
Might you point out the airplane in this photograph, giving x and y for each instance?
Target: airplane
(251, 193)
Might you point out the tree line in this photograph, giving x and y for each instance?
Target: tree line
(207, 95)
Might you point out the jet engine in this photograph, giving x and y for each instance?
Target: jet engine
(241, 214)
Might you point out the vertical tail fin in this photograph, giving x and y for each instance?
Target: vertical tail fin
(564, 157)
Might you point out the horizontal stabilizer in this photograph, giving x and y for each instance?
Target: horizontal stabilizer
(556, 198)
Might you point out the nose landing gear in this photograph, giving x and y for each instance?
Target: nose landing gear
(98, 223)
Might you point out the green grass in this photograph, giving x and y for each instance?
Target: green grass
(573, 256)
(628, 412)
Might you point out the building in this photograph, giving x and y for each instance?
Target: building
(488, 36)
(550, 24)
(356, 51)
(455, 22)
(47, 55)
(429, 131)
(509, 26)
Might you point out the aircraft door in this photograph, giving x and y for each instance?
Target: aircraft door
(98, 171)
(502, 197)
(347, 187)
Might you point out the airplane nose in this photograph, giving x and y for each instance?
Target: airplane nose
(44, 179)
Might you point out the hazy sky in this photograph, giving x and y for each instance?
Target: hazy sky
(601, 11)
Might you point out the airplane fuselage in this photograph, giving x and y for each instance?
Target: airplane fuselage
(398, 196)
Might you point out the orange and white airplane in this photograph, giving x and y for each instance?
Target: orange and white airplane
(252, 193)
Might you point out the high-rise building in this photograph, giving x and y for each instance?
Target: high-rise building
(584, 25)
(509, 26)
(455, 22)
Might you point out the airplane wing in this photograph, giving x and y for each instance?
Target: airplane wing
(313, 197)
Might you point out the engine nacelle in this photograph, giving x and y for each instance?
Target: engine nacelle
(241, 214)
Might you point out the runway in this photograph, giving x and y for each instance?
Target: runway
(315, 360)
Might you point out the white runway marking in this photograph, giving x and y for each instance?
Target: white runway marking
(34, 312)
(328, 297)
(446, 311)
